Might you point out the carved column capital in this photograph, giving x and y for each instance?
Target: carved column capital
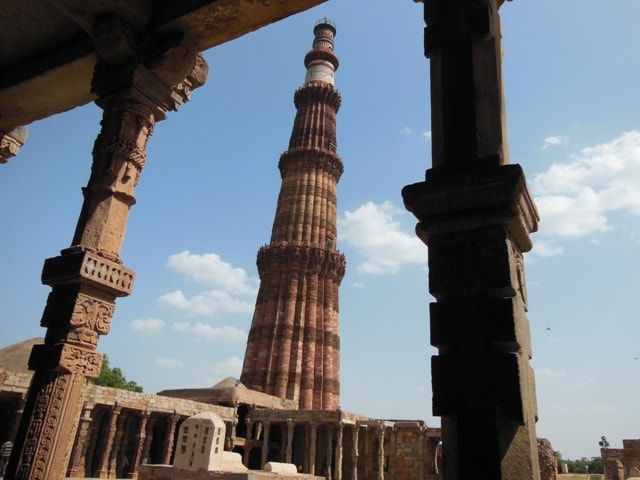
(10, 143)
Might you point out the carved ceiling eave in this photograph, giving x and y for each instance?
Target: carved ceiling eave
(48, 57)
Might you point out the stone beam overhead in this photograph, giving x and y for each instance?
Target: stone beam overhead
(55, 43)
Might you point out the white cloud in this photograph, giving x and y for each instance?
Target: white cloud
(147, 326)
(233, 291)
(209, 332)
(374, 231)
(168, 362)
(210, 270)
(405, 131)
(206, 304)
(426, 135)
(553, 141)
(575, 199)
(229, 367)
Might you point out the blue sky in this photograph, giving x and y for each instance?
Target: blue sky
(207, 198)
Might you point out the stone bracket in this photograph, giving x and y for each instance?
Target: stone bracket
(453, 201)
(87, 267)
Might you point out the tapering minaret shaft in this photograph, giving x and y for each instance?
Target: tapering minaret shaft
(293, 350)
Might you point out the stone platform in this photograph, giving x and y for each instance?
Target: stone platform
(167, 472)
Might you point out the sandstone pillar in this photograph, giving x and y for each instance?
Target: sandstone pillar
(88, 276)
(265, 443)
(367, 456)
(138, 447)
(103, 468)
(381, 429)
(78, 456)
(289, 451)
(339, 453)
(329, 459)
(167, 447)
(422, 452)
(312, 449)
(475, 214)
(392, 452)
(148, 439)
(118, 445)
(248, 444)
(15, 420)
(354, 453)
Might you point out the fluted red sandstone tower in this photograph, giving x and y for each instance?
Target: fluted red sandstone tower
(293, 350)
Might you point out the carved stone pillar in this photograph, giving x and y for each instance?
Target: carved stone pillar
(119, 442)
(338, 475)
(87, 277)
(167, 447)
(289, 451)
(15, 420)
(475, 214)
(329, 474)
(248, 444)
(77, 466)
(354, 453)
(139, 445)
(312, 448)
(103, 469)
(381, 429)
(367, 456)
(392, 453)
(147, 440)
(422, 452)
(265, 443)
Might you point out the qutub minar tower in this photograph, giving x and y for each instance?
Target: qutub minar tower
(293, 349)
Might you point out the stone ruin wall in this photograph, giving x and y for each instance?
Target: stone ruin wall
(547, 460)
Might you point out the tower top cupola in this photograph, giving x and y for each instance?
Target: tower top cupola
(321, 61)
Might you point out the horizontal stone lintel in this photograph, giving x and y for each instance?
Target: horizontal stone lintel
(83, 266)
(452, 200)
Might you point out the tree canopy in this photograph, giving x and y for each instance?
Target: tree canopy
(113, 377)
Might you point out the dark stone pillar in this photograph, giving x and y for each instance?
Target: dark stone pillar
(475, 214)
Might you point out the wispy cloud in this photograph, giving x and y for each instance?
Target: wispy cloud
(553, 142)
(375, 232)
(229, 367)
(147, 326)
(405, 131)
(576, 198)
(426, 135)
(206, 304)
(168, 362)
(209, 332)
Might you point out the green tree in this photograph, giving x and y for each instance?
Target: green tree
(113, 377)
(580, 466)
